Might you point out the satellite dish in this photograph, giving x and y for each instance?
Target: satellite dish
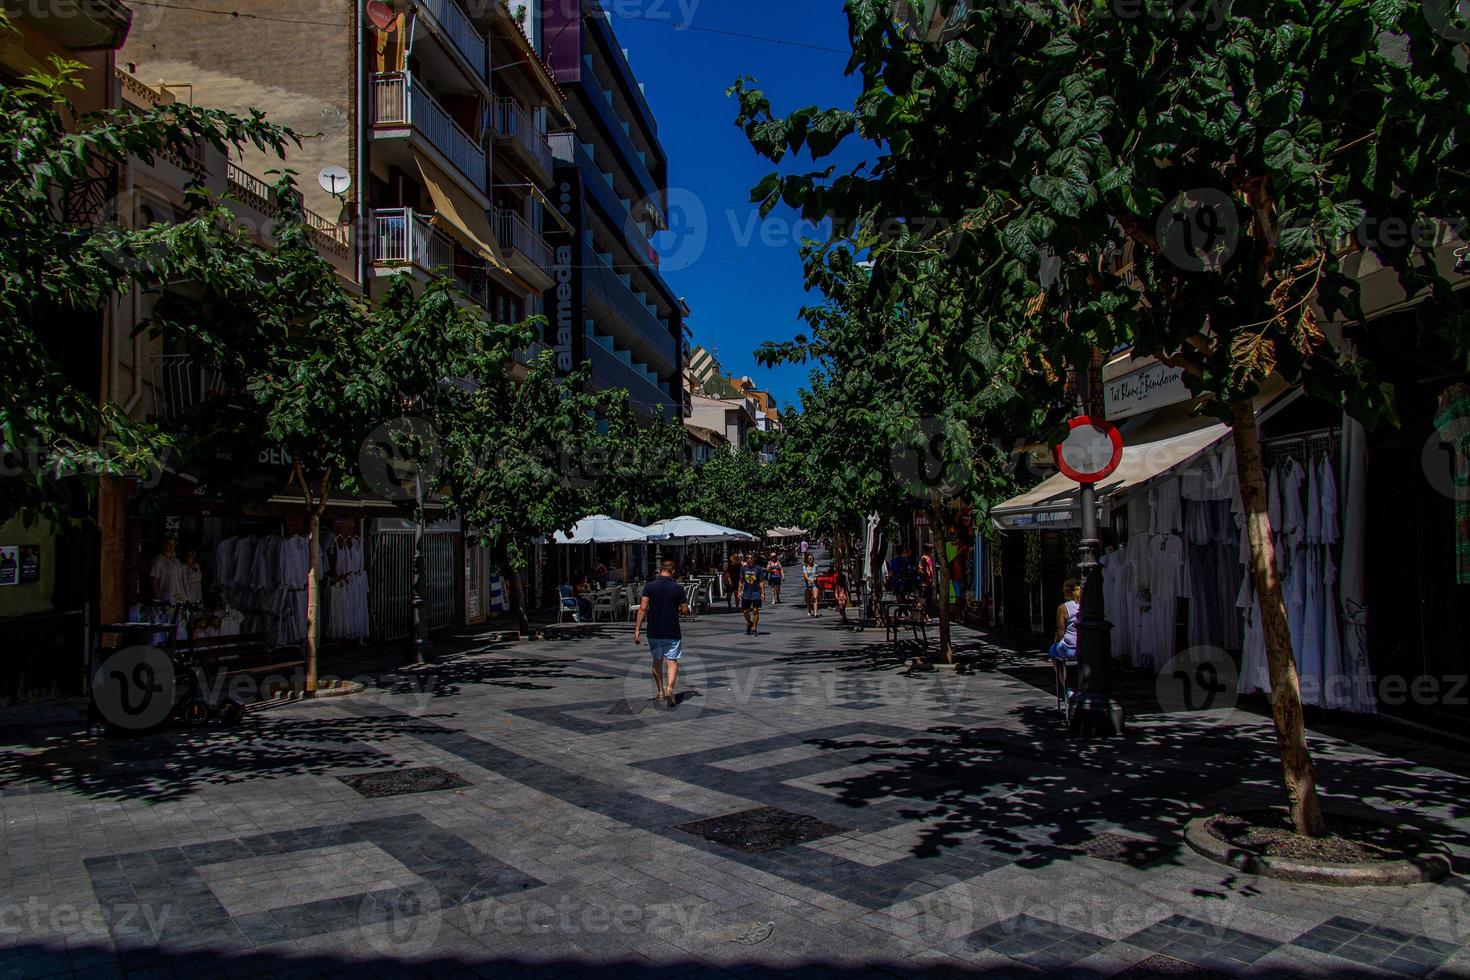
(335, 180)
(382, 16)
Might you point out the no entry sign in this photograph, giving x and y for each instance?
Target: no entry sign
(1091, 451)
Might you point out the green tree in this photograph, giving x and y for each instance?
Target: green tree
(643, 474)
(521, 459)
(67, 258)
(311, 370)
(731, 489)
(1189, 184)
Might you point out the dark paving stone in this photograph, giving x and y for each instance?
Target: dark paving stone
(1202, 944)
(764, 828)
(1381, 947)
(1037, 942)
(399, 782)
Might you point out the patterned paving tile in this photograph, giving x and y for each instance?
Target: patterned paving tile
(1399, 952)
(1136, 852)
(1037, 942)
(165, 894)
(1203, 944)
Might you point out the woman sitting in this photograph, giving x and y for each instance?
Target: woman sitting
(1064, 650)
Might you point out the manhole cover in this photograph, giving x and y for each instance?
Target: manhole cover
(764, 828)
(744, 933)
(1160, 967)
(400, 781)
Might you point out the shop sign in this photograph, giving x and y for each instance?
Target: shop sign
(1044, 518)
(1144, 390)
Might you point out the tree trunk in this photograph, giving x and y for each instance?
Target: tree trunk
(513, 590)
(1286, 698)
(941, 568)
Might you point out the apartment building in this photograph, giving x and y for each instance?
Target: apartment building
(611, 304)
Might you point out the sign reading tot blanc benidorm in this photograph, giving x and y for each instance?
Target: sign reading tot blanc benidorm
(1147, 388)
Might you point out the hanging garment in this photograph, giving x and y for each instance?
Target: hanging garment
(1314, 506)
(224, 563)
(1327, 488)
(1310, 652)
(1273, 498)
(1337, 681)
(1197, 529)
(1166, 514)
(1293, 515)
(1139, 570)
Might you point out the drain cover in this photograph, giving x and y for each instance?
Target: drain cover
(400, 781)
(764, 828)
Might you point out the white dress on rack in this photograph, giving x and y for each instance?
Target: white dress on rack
(294, 561)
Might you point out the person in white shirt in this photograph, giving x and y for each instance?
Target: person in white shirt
(165, 574)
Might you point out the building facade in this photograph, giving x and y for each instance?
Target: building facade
(610, 304)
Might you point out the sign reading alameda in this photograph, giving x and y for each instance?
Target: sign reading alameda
(1147, 388)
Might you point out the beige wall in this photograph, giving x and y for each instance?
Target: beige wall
(298, 68)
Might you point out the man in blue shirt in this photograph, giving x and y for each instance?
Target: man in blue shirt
(752, 593)
(663, 602)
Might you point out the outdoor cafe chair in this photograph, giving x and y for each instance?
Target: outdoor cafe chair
(569, 605)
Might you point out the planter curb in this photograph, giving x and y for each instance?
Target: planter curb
(1430, 864)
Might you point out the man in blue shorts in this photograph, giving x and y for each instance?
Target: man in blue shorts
(663, 602)
(752, 592)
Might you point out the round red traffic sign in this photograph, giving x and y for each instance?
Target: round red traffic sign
(1092, 450)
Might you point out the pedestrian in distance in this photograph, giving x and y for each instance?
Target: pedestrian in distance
(774, 574)
(805, 548)
(809, 584)
(840, 593)
(731, 579)
(663, 602)
(752, 593)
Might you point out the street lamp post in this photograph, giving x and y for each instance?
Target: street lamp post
(1094, 712)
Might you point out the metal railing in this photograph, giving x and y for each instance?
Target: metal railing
(398, 101)
(256, 193)
(402, 235)
(512, 122)
(512, 231)
(456, 25)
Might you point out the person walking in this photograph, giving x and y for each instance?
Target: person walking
(805, 548)
(774, 574)
(809, 584)
(752, 593)
(663, 602)
(731, 579)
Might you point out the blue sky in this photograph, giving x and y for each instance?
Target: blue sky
(744, 284)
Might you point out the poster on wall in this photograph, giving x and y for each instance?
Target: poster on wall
(9, 564)
(30, 563)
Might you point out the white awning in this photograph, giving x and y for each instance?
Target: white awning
(1053, 503)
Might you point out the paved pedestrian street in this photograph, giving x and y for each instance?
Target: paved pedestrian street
(808, 805)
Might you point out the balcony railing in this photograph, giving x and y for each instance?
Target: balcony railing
(568, 149)
(399, 101)
(512, 231)
(603, 280)
(402, 235)
(609, 370)
(456, 25)
(256, 193)
(513, 123)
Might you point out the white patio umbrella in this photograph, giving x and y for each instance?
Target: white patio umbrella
(601, 529)
(785, 532)
(692, 530)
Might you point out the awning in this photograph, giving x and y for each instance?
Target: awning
(1053, 503)
(461, 217)
(552, 211)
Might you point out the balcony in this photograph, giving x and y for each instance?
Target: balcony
(526, 251)
(514, 128)
(609, 371)
(655, 343)
(615, 211)
(402, 236)
(603, 108)
(454, 24)
(257, 194)
(397, 102)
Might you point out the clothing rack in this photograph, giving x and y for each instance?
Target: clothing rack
(1302, 447)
